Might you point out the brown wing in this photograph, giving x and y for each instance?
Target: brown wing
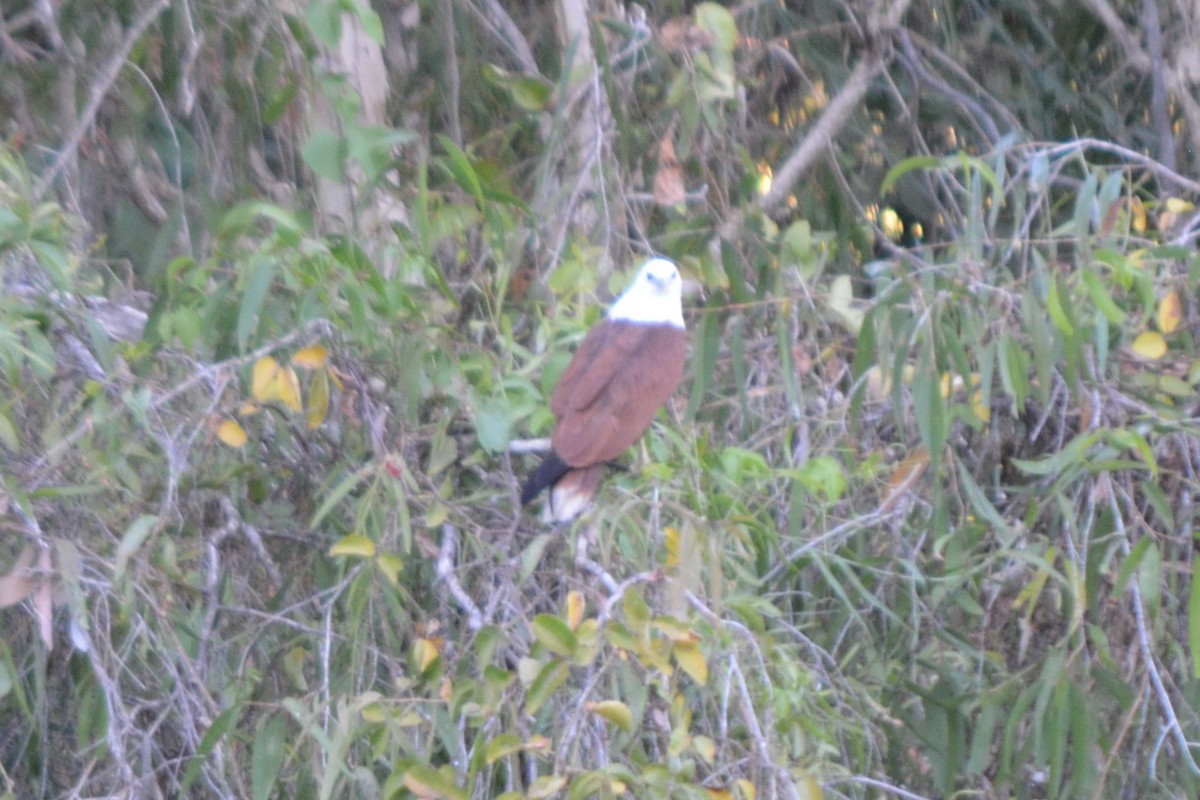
(610, 391)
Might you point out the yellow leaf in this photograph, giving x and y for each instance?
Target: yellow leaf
(671, 542)
(353, 545)
(720, 794)
(232, 434)
(745, 789)
(1150, 345)
(390, 565)
(545, 787)
(575, 606)
(312, 357)
(248, 409)
(1137, 214)
(615, 712)
(693, 662)
(373, 712)
(425, 652)
(982, 410)
(706, 748)
(807, 788)
(318, 400)
(271, 382)
(1170, 312)
(1178, 206)
(289, 389)
(263, 378)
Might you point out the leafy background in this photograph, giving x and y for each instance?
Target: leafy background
(285, 290)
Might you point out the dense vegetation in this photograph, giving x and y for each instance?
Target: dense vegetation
(284, 293)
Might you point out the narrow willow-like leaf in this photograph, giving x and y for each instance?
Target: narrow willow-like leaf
(215, 733)
(929, 407)
(253, 298)
(704, 361)
(1102, 298)
(268, 755)
(131, 541)
(904, 167)
(1056, 730)
(978, 500)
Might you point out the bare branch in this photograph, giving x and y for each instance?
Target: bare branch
(96, 94)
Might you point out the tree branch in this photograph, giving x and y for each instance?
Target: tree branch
(96, 94)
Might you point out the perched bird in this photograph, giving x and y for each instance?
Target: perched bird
(625, 368)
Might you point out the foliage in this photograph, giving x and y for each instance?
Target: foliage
(917, 525)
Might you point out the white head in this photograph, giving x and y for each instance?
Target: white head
(654, 298)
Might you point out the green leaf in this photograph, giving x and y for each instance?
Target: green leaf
(326, 153)
(904, 167)
(545, 684)
(268, 755)
(340, 491)
(824, 477)
(135, 535)
(503, 745)
(252, 300)
(554, 634)
(545, 787)
(430, 784)
(704, 362)
(493, 425)
(928, 406)
(983, 507)
(1193, 623)
(1058, 312)
(215, 733)
(460, 168)
(1103, 300)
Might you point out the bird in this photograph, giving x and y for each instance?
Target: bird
(626, 367)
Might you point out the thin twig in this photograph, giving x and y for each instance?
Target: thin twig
(1166, 707)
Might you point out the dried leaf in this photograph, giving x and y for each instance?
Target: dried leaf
(43, 599)
(903, 478)
(668, 180)
(18, 583)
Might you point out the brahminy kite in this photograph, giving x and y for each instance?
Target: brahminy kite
(626, 367)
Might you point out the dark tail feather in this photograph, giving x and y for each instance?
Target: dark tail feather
(547, 474)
